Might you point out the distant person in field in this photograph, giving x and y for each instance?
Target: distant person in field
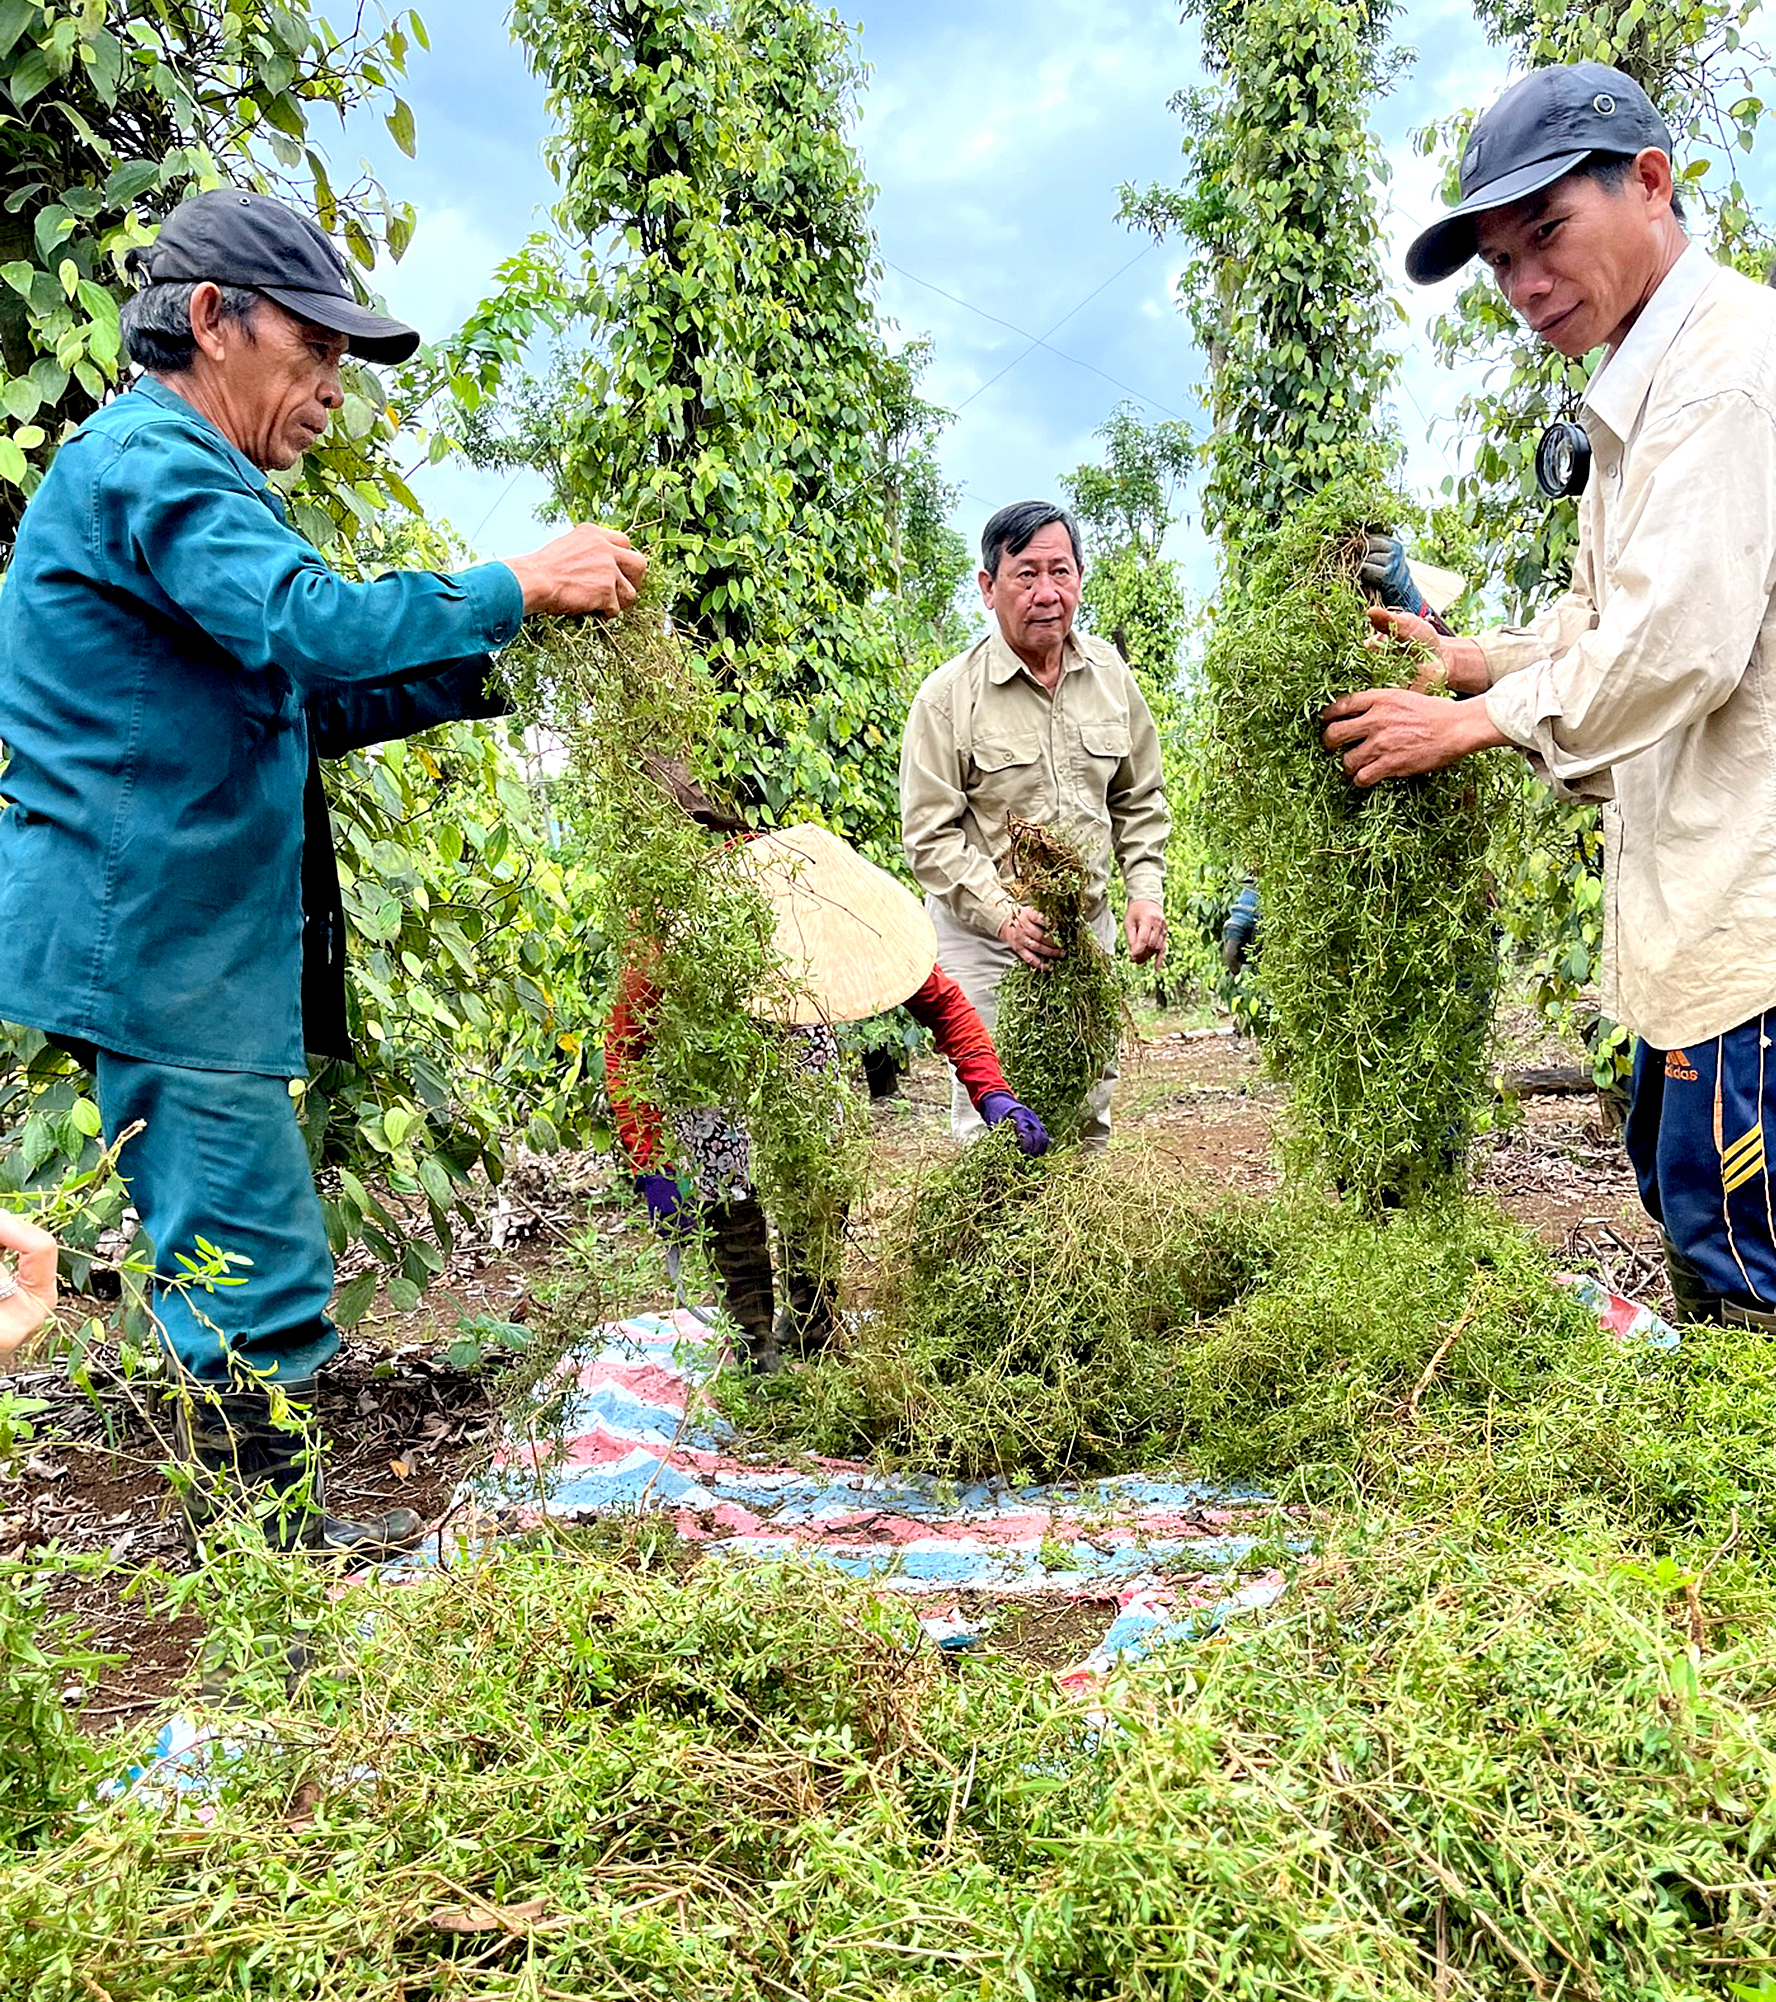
(1650, 683)
(173, 659)
(1034, 722)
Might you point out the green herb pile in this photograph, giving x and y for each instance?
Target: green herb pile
(1057, 1026)
(1378, 935)
(1054, 1321)
(622, 694)
(1435, 1769)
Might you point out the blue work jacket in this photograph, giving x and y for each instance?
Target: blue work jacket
(171, 651)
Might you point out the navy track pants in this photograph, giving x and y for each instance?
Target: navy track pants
(1701, 1121)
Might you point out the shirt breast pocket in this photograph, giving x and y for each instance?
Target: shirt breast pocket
(1007, 776)
(1106, 743)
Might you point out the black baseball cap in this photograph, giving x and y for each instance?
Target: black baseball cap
(1544, 126)
(232, 237)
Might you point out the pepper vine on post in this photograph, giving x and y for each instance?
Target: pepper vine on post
(1377, 954)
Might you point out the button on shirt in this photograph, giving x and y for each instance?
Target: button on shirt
(164, 636)
(985, 742)
(1652, 682)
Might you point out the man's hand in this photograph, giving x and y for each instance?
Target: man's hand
(1459, 664)
(1144, 927)
(1393, 733)
(1027, 934)
(586, 570)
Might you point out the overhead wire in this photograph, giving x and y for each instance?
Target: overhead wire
(1041, 340)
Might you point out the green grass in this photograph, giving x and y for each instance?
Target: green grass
(1442, 1766)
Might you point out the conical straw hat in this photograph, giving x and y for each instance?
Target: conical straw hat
(855, 941)
(1439, 588)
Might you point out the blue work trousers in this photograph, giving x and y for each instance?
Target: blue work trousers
(1699, 1128)
(221, 1157)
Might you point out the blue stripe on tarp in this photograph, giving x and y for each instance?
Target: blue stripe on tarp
(965, 1567)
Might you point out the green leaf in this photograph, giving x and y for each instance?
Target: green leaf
(21, 398)
(352, 1302)
(434, 1178)
(85, 1115)
(101, 306)
(104, 63)
(12, 463)
(284, 115)
(15, 17)
(403, 1295)
(30, 78)
(400, 125)
(128, 180)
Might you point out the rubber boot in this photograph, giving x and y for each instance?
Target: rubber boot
(740, 1251)
(810, 1312)
(1695, 1302)
(233, 1456)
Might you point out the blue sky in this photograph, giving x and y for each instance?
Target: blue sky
(997, 135)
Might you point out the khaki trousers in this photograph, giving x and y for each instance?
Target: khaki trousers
(978, 965)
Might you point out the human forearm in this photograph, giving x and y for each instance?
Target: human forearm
(640, 1128)
(589, 569)
(348, 719)
(958, 1033)
(944, 862)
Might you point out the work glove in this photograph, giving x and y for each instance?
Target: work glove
(1385, 572)
(671, 1212)
(1032, 1135)
(1240, 930)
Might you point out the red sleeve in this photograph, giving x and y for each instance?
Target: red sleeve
(960, 1034)
(625, 1043)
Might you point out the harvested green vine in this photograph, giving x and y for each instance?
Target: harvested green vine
(1378, 937)
(1053, 1320)
(622, 695)
(1057, 1026)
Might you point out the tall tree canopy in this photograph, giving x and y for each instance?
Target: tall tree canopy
(735, 400)
(1280, 203)
(118, 110)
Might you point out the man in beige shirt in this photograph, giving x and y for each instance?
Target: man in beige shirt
(1039, 723)
(1651, 683)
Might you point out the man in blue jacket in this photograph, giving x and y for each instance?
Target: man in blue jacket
(173, 658)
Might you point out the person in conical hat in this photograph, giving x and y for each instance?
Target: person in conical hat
(855, 943)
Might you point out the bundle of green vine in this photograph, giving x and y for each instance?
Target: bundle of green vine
(1378, 957)
(627, 697)
(1058, 1025)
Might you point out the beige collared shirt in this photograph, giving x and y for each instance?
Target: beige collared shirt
(985, 741)
(1652, 682)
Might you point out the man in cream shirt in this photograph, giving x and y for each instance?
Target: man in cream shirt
(1649, 684)
(1040, 723)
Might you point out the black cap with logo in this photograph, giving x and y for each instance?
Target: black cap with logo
(1544, 126)
(232, 237)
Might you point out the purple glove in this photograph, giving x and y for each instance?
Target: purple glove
(671, 1212)
(1032, 1135)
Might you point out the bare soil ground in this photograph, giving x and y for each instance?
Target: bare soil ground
(406, 1425)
